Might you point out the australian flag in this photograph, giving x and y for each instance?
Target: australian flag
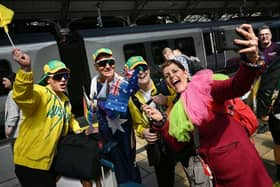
(119, 93)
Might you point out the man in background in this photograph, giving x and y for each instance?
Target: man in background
(270, 52)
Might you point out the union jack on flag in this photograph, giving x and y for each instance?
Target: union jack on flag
(115, 87)
(120, 92)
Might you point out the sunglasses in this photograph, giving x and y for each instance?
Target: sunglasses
(103, 63)
(59, 76)
(141, 67)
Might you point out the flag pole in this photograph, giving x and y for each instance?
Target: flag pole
(10, 39)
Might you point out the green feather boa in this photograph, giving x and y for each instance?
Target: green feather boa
(180, 126)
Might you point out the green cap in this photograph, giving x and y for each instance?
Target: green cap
(52, 66)
(134, 61)
(101, 51)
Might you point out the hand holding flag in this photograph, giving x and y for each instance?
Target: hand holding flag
(6, 16)
(120, 91)
(90, 108)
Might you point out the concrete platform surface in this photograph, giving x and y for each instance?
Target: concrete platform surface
(263, 143)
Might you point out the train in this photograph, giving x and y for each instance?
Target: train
(75, 48)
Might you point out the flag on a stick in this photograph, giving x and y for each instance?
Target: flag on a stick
(90, 108)
(6, 16)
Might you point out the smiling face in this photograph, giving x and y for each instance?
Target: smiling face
(105, 67)
(175, 76)
(144, 78)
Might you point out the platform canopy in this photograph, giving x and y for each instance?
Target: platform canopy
(133, 11)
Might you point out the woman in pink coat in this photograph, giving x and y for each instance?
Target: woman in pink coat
(224, 144)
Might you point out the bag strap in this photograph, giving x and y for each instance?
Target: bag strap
(196, 139)
(274, 95)
(138, 104)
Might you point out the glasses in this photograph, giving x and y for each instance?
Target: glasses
(103, 63)
(264, 34)
(141, 67)
(59, 76)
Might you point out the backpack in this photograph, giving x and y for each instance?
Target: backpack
(240, 111)
(78, 156)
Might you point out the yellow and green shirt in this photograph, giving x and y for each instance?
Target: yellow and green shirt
(46, 117)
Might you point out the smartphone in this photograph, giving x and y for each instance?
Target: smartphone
(224, 40)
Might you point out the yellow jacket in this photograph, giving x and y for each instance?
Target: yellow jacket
(139, 121)
(46, 117)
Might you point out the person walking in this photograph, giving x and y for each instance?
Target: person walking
(47, 116)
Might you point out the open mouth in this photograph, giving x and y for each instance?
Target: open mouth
(63, 85)
(175, 82)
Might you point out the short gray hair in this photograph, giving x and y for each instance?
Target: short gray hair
(262, 28)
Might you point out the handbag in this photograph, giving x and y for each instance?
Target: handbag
(78, 156)
(198, 172)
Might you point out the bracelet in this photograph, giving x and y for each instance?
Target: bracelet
(258, 65)
(252, 59)
(159, 124)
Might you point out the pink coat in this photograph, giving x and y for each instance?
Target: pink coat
(224, 143)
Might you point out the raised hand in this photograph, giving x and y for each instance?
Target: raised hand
(22, 59)
(250, 42)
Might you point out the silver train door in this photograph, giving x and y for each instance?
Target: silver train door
(215, 58)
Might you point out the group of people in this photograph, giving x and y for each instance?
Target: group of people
(167, 121)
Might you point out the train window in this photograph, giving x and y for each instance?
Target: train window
(186, 45)
(207, 43)
(134, 50)
(5, 71)
(209, 39)
(157, 48)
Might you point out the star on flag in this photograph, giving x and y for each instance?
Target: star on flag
(115, 124)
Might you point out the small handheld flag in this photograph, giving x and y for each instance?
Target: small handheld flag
(6, 16)
(90, 108)
(103, 92)
(120, 91)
